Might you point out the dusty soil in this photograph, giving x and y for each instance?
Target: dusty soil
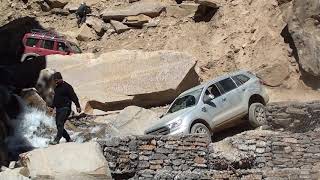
(240, 35)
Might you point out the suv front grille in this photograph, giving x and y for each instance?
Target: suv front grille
(159, 131)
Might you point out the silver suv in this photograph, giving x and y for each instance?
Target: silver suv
(218, 104)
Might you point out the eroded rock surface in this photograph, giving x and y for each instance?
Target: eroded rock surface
(121, 78)
(304, 27)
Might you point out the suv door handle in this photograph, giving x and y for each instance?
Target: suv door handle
(243, 89)
(224, 99)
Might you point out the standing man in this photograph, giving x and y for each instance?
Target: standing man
(63, 98)
(81, 13)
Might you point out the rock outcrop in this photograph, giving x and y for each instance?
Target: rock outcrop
(304, 28)
(118, 79)
(63, 161)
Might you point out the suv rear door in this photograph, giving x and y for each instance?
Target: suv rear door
(230, 100)
(47, 47)
(243, 88)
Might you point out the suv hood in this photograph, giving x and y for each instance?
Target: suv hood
(169, 117)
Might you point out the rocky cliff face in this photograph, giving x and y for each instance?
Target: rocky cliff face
(304, 27)
(222, 35)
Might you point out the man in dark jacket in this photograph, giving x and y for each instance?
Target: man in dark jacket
(81, 13)
(63, 98)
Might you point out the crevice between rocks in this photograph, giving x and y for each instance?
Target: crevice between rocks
(204, 13)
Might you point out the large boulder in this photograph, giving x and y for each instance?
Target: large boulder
(304, 28)
(67, 161)
(121, 78)
(14, 174)
(33, 99)
(151, 9)
(85, 33)
(133, 120)
(96, 24)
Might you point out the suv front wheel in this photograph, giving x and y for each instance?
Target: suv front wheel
(200, 128)
(257, 115)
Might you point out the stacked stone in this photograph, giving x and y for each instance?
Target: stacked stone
(294, 116)
(122, 154)
(254, 154)
(280, 152)
(257, 155)
(149, 154)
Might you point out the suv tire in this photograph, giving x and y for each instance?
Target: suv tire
(200, 128)
(257, 115)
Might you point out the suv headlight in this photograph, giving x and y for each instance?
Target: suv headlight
(175, 124)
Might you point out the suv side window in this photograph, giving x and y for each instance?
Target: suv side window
(62, 47)
(227, 85)
(32, 42)
(240, 79)
(47, 44)
(213, 89)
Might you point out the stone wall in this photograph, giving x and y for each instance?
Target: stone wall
(291, 150)
(149, 154)
(256, 154)
(294, 116)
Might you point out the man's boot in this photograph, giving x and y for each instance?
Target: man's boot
(53, 142)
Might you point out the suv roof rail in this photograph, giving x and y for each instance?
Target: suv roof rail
(51, 33)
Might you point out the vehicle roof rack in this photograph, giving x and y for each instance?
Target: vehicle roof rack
(44, 32)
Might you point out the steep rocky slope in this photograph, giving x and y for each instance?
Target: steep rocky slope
(231, 35)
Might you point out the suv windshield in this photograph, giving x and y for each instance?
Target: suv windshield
(185, 101)
(75, 48)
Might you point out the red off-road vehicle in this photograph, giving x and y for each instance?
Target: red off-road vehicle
(43, 42)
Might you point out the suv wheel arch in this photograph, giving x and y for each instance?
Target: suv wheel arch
(256, 98)
(202, 122)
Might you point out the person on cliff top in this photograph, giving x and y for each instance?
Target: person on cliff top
(81, 13)
(63, 98)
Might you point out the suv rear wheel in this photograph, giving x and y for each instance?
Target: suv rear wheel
(200, 128)
(257, 115)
